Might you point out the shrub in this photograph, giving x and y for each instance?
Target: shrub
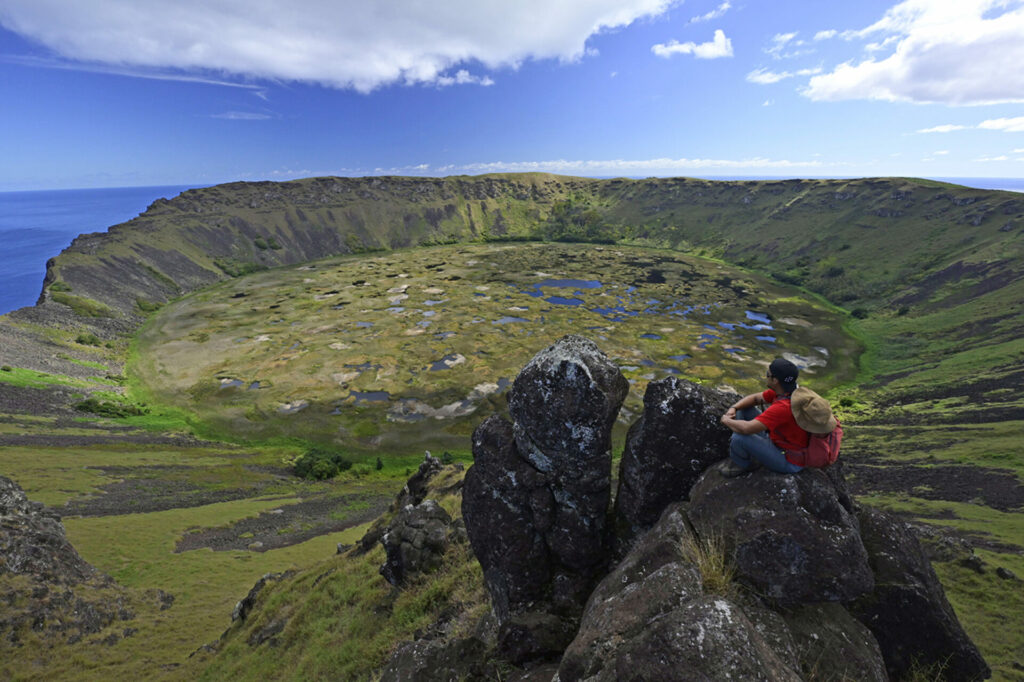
(6, 368)
(147, 306)
(88, 340)
(60, 286)
(859, 313)
(108, 409)
(380, 464)
(319, 464)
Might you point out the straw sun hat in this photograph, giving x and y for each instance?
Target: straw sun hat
(812, 412)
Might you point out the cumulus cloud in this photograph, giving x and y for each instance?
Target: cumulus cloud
(713, 14)
(720, 46)
(960, 52)
(763, 76)
(337, 43)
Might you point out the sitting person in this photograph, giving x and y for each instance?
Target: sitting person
(762, 438)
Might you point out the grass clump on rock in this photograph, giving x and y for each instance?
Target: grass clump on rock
(318, 464)
(714, 562)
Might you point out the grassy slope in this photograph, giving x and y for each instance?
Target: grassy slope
(936, 268)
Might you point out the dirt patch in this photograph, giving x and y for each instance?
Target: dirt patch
(996, 488)
(289, 524)
(137, 495)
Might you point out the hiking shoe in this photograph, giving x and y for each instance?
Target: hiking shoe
(731, 470)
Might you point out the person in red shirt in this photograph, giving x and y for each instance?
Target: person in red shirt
(762, 438)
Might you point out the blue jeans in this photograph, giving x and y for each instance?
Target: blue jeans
(744, 450)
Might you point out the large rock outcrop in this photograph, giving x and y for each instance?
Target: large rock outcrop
(908, 611)
(47, 588)
(32, 540)
(416, 541)
(675, 439)
(791, 538)
(807, 595)
(651, 619)
(545, 481)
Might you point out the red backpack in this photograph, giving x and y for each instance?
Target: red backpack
(821, 450)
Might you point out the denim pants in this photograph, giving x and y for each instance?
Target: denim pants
(744, 450)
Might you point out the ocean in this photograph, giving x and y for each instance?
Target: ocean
(35, 226)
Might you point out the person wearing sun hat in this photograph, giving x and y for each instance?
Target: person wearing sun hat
(761, 438)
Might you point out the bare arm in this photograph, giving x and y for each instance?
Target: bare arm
(742, 426)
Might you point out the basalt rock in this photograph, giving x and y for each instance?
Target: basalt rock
(32, 540)
(907, 610)
(793, 540)
(651, 619)
(545, 482)
(667, 448)
(416, 541)
(412, 493)
(563, 405)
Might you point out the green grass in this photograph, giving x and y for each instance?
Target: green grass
(17, 376)
(86, 307)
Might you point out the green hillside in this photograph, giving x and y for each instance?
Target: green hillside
(914, 287)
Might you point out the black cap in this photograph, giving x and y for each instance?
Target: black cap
(785, 371)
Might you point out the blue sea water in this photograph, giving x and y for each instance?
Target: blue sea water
(36, 226)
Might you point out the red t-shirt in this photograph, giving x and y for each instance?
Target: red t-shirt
(785, 433)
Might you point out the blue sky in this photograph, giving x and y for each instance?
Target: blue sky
(102, 93)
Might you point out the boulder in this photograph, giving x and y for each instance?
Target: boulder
(907, 611)
(545, 482)
(502, 491)
(651, 619)
(793, 541)
(833, 645)
(32, 540)
(676, 438)
(563, 405)
(415, 542)
(412, 493)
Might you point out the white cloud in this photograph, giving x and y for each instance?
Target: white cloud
(713, 14)
(947, 128)
(242, 116)
(1018, 151)
(463, 77)
(961, 52)
(763, 76)
(337, 43)
(825, 35)
(1007, 125)
(720, 46)
(629, 167)
(768, 103)
(987, 159)
(941, 152)
(779, 42)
